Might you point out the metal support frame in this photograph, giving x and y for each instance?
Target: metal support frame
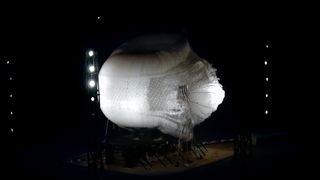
(95, 149)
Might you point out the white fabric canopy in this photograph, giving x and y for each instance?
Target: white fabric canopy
(158, 82)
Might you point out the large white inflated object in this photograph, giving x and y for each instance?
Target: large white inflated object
(158, 82)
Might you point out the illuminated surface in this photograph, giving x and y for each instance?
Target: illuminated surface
(159, 82)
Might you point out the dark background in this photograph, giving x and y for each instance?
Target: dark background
(50, 102)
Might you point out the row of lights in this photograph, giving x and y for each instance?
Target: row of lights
(8, 62)
(92, 71)
(91, 68)
(267, 80)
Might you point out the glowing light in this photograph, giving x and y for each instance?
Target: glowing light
(92, 99)
(99, 17)
(10, 78)
(10, 95)
(267, 95)
(267, 46)
(267, 79)
(92, 83)
(8, 62)
(91, 68)
(265, 62)
(11, 112)
(11, 129)
(91, 53)
(266, 112)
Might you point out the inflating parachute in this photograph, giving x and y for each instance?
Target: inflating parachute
(158, 81)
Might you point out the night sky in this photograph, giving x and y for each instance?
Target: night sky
(50, 100)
